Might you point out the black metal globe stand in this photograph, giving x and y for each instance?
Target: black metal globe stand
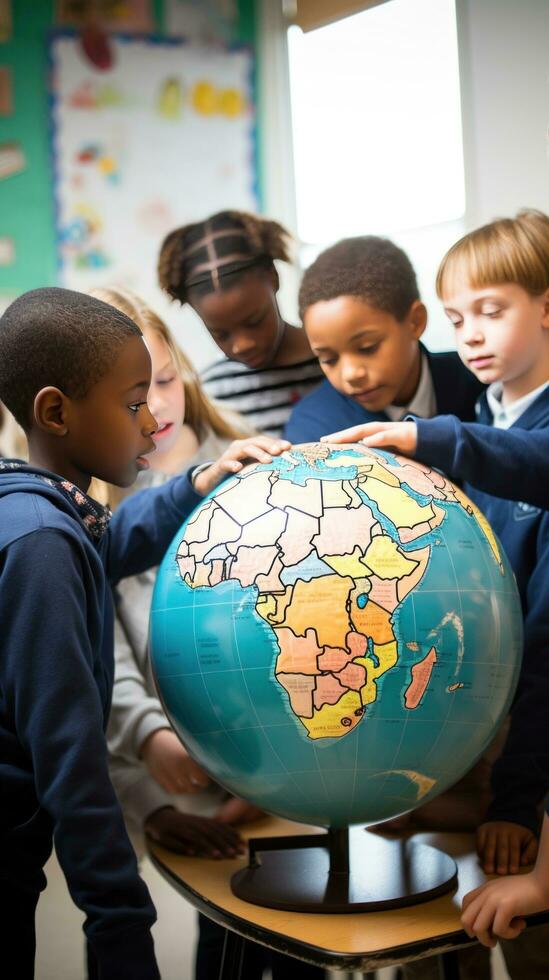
(343, 870)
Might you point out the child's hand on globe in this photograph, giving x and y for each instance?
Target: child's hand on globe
(505, 847)
(260, 449)
(169, 763)
(193, 836)
(397, 437)
(310, 568)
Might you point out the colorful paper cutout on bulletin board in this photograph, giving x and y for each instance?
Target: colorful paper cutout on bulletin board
(165, 137)
(7, 251)
(6, 25)
(6, 102)
(12, 160)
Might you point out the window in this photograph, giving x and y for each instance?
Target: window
(377, 122)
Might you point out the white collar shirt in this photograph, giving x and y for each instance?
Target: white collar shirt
(506, 415)
(424, 403)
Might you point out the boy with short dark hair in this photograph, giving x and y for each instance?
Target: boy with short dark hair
(75, 373)
(364, 318)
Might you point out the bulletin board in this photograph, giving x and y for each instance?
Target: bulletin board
(163, 137)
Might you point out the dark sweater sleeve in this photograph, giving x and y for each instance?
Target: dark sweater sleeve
(520, 778)
(49, 680)
(305, 423)
(144, 525)
(508, 463)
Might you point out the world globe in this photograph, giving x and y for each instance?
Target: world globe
(336, 635)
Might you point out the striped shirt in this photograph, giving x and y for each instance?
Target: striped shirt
(264, 396)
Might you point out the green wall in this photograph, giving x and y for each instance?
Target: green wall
(26, 201)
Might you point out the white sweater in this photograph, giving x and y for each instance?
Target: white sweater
(136, 711)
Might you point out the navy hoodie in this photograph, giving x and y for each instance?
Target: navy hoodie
(515, 464)
(511, 463)
(326, 410)
(56, 677)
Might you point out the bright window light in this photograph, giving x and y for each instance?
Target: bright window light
(377, 121)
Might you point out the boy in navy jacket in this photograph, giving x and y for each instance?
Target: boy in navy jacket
(495, 287)
(361, 309)
(75, 373)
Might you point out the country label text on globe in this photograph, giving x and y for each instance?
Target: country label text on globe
(354, 596)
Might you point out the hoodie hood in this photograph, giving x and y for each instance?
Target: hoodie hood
(17, 477)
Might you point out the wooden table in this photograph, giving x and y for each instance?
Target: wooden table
(350, 942)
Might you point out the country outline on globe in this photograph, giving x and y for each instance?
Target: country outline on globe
(330, 671)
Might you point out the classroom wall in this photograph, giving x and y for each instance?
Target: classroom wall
(26, 201)
(504, 66)
(504, 78)
(26, 204)
(504, 70)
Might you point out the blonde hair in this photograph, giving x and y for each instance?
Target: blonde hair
(201, 414)
(509, 250)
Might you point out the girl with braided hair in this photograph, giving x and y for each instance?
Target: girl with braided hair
(224, 268)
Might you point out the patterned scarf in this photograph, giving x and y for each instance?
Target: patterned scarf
(94, 516)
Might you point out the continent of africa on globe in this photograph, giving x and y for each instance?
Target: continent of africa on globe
(336, 635)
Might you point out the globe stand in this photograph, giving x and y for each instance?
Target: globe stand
(342, 871)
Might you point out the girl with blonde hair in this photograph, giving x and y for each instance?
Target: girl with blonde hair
(149, 767)
(195, 426)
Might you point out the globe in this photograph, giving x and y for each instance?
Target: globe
(336, 635)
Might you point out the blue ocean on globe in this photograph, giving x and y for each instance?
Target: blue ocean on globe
(336, 635)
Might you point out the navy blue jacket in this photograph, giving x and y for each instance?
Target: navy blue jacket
(514, 463)
(326, 410)
(511, 463)
(56, 677)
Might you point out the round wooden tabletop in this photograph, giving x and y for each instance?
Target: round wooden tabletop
(349, 941)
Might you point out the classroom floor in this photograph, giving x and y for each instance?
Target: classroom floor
(59, 936)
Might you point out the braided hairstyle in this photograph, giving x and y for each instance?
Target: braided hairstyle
(214, 254)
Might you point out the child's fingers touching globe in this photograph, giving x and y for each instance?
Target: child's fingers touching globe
(260, 449)
(353, 434)
(399, 437)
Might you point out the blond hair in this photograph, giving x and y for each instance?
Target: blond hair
(201, 414)
(509, 250)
